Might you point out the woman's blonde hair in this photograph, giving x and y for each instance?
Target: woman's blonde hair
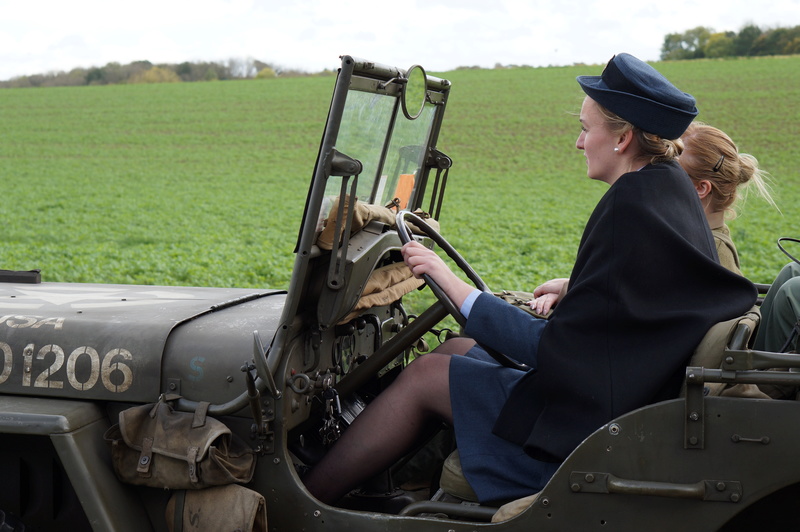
(653, 147)
(710, 155)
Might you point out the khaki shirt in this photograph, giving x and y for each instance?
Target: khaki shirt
(726, 249)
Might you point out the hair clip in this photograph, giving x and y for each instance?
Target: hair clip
(719, 164)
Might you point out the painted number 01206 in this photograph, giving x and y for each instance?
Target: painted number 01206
(112, 369)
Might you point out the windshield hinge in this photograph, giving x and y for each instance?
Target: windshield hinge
(343, 165)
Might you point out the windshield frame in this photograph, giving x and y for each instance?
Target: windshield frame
(362, 80)
(357, 76)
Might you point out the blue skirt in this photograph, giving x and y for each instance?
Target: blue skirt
(496, 469)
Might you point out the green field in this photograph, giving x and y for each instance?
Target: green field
(204, 183)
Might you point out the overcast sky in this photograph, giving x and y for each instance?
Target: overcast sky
(39, 36)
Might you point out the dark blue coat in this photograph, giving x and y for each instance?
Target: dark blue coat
(645, 288)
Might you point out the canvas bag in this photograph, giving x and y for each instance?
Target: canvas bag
(153, 445)
(363, 214)
(220, 509)
(385, 285)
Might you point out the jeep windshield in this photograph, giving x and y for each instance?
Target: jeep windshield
(390, 147)
(378, 151)
(373, 148)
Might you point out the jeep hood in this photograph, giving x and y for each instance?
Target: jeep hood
(127, 343)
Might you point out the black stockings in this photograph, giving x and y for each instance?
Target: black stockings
(386, 430)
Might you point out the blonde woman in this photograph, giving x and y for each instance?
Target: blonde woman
(718, 171)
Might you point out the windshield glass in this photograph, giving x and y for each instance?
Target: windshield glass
(370, 123)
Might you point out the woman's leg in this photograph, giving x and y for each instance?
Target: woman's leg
(386, 430)
(455, 346)
(780, 310)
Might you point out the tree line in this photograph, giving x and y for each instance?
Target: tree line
(751, 40)
(147, 72)
(695, 43)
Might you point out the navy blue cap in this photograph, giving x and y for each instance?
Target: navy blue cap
(638, 93)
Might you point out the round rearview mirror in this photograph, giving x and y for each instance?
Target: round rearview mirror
(414, 92)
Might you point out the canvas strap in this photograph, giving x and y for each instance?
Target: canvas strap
(180, 502)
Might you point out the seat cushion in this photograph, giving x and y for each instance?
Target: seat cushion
(453, 481)
(514, 508)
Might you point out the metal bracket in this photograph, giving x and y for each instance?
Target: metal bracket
(173, 386)
(442, 164)
(341, 238)
(694, 420)
(267, 438)
(263, 413)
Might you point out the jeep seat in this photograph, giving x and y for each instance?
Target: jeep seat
(736, 334)
(453, 482)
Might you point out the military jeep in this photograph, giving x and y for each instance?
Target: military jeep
(285, 372)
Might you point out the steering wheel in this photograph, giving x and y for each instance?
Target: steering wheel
(404, 232)
(781, 240)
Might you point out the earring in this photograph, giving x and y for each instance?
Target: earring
(616, 149)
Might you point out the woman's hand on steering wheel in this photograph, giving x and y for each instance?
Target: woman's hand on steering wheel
(426, 264)
(424, 261)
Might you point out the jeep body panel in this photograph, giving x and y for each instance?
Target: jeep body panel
(111, 342)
